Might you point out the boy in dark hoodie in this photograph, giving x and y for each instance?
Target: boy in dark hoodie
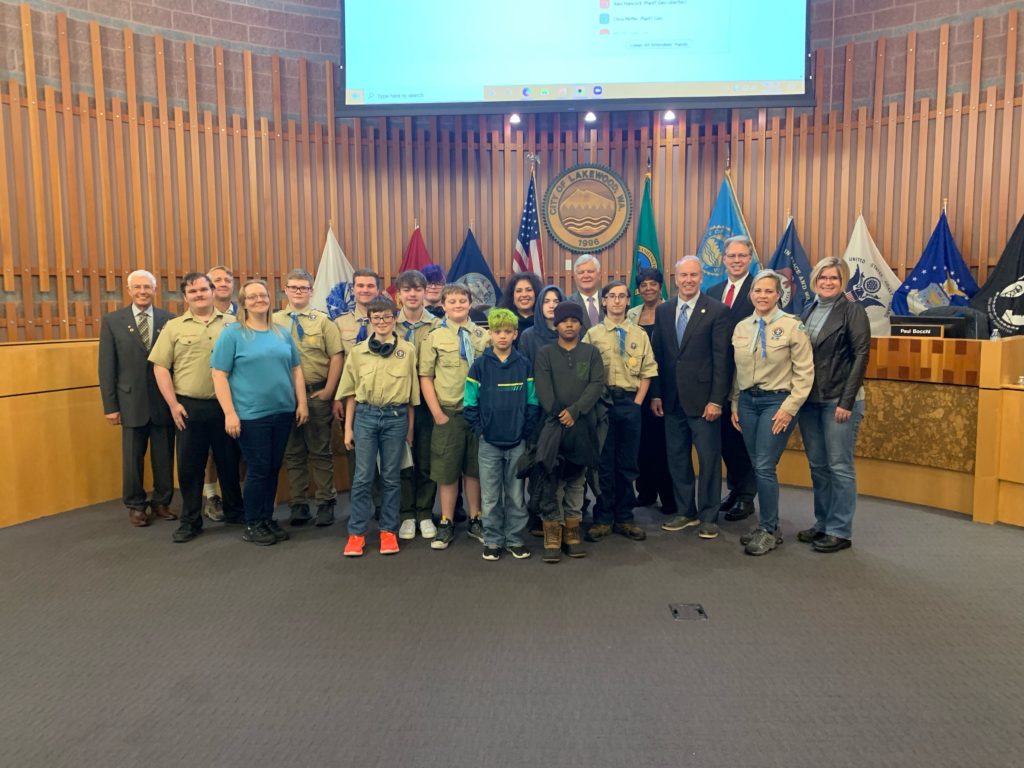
(500, 406)
(569, 376)
(542, 332)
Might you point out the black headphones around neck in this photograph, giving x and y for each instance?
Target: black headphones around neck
(382, 348)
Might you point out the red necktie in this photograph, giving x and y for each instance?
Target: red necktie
(729, 295)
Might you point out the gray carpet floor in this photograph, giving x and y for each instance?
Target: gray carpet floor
(119, 648)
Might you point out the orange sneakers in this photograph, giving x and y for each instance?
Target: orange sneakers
(354, 546)
(388, 543)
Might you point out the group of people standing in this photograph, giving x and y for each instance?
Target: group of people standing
(511, 419)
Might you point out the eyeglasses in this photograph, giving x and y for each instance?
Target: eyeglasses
(298, 288)
(829, 278)
(258, 297)
(617, 296)
(381, 318)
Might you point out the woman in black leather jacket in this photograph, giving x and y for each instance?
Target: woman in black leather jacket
(829, 420)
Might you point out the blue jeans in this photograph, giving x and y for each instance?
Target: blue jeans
(829, 448)
(618, 468)
(501, 494)
(377, 431)
(263, 442)
(765, 449)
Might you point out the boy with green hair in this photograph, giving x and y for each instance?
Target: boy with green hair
(501, 409)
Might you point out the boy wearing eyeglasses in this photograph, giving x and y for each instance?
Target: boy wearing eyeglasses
(380, 389)
(309, 446)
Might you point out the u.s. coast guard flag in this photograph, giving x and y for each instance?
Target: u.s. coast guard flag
(1002, 296)
(470, 269)
(872, 282)
(332, 288)
(726, 221)
(790, 261)
(940, 279)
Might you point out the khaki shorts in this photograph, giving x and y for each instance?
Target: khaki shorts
(453, 450)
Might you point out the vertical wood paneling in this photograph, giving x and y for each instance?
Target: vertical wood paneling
(105, 185)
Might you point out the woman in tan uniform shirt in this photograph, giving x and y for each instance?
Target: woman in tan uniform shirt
(774, 373)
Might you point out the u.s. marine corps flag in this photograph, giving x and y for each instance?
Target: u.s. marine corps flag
(1002, 296)
(939, 279)
(646, 253)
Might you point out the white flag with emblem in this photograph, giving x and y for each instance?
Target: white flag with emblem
(332, 288)
(872, 283)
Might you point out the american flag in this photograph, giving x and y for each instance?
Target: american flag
(527, 256)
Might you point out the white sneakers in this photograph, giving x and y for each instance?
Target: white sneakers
(407, 530)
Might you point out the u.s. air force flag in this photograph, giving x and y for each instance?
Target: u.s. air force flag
(790, 261)
(726, 221)
(470, 269)
(332, 288)
(872, 283)
(940, 278)
(1002, 297)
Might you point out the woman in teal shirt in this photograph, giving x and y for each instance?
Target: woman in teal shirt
(259, 385)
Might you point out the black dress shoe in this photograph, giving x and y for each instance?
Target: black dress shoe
(810, 535)
(185, 533)
(829, 544)
(741, 510)
(728, 502)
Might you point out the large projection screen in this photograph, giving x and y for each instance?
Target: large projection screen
(454, 56)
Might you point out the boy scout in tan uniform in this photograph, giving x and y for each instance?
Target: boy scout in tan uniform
(184, 348)
(418, 491)
(629, 366)
(380, 387)
(309, 446)
(444, 360)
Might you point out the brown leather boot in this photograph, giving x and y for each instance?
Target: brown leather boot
(572, 542)
(552, 541)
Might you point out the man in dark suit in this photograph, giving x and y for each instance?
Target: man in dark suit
(734, 292)
(131, 399)
(586, 277)
(691, 346)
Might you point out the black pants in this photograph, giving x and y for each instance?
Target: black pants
(204, 431)
(159, 438)
(739, 473)
(654, 480)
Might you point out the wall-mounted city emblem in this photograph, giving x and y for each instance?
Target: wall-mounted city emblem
(587, 207)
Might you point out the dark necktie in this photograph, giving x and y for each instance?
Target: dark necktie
(144, 329)
(592, 311)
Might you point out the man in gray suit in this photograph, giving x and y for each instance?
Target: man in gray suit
(586, 276)
(132, 401)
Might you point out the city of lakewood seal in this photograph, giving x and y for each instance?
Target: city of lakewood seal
(587, 207)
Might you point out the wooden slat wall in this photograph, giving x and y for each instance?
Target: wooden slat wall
(92, 186)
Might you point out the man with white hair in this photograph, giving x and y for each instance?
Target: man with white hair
(586, 276)
(132, 401)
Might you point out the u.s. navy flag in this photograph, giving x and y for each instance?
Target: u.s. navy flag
(1002, 296)
(940, 279)
(470, 269)
(872, 284)
(646, 254)
(790, 261)
(726, 221)
(332, 288)
(527, 256)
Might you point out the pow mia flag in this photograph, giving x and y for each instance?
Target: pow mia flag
(1002, 296)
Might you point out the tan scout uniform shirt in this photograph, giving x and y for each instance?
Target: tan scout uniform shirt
(439, 357)
(349, 324)
(381, 381)
(420, 329)
(788, 364)
(184, 347)
(320, 340)
(623, 370)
